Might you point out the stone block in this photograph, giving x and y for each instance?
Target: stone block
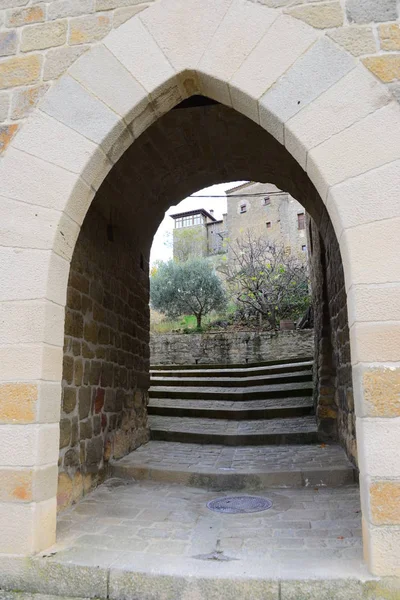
(4, 106)
(256, 75)
(384, 554)
(59, 9)
(320, 590)
(385, 502)
(85, 429)
(29, 445)
(58, 60)
(103, 75)
(357, 40)
(242, 28)
(8, 42)
(323, 15)
(351, 153)
(71, 104)
(152, 69)
(90, 332)
(94, 451)
(121, 15)
(315, 72)
(378, 447)
(18, 402)
(384, 66)
(389, 35)
(351, 99)
(69, 400)
(46, 35)
(73, 324)
(85, 401)
(71, 458)
(88, 29)
(26, 16)
(68, 369)
(375, 342)
(368, 11)
(99, 400)
(201, 22)
(26, 528)
(6, 134)
(25, 100)
(20, 70)
(65, 433)
(111, 4)
(78, 372)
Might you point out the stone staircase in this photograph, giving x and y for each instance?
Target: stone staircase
(233, 406)
(237, 427)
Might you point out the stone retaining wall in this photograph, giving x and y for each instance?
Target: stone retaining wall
(229, 348)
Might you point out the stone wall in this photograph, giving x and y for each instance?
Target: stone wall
(105, 383)
(333, 387)
(40, 40)
(229, 348)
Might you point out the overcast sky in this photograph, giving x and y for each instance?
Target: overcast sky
(162, 247)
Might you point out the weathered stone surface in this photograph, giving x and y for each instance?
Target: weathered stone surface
(21, 70)
(58, 9)
(366, 11)
(65, 433)
(25, 100)
(8, 42)
(57, 61)
(6, 134)
(26, 16)
(4, 105)
(385, 66)
(390, 36)
(122, 15)
(381, 388)
(69, 399)
(46, 35)
(357, 40)
(17, 402)
(385, 502)
(88, 29)
(322, 16)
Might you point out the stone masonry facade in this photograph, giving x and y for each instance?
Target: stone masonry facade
(105, 384)
(333, 387)
(39, 40)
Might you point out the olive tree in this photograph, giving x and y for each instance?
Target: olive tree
(265, 279)
(186, 288)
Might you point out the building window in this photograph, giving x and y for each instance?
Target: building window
(243, 208)
(304, 248)
(178, 223)
(269, 224)
(197, 220)
(266, 201)
(301, 221)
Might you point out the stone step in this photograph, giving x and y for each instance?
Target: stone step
(217, 367)
(238, 468)
(298, 430)
(282, 390)
(232, 381)
(244, 371)
(225, 409)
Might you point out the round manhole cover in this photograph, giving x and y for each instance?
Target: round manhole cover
(239, 504)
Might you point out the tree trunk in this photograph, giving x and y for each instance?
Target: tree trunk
(198, 317)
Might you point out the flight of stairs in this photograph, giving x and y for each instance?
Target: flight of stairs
(234, 405)
(235, 427)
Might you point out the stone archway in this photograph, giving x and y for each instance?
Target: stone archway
(332, 116)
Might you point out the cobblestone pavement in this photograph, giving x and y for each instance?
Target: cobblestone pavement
(232, 404)
(122, 521)
(165, 455)
(228, 427)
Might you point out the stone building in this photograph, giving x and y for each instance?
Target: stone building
(259, 208)
(94, 152)
(197, 233)
(266, 211)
